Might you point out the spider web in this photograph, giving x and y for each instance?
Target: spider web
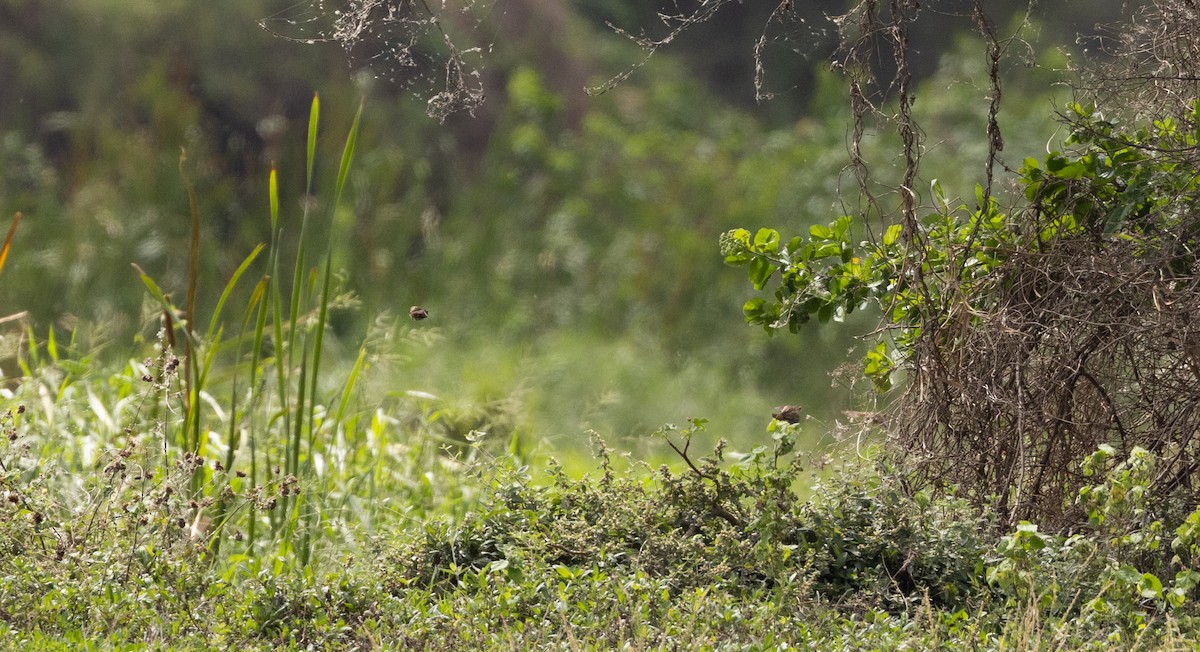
(411, 44)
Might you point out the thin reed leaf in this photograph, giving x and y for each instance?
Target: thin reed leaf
(189, 307)
(52, 345)
(255, 310)
(212, 340)
(314, 115)
(297, 282)
(273, 194)
(32, 359)
(264, 290)
(282, 356)
(191, 374)
(233, 280)
(347, 156)
(350, 383)
(210, 354)
(293, 460)
(155, 291)
(12, 230)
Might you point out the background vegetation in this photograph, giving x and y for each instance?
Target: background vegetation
(549, 233)
(244, 441)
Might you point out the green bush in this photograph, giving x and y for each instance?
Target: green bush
(1119, 573)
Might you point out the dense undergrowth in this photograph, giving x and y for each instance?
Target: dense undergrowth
(106, 543)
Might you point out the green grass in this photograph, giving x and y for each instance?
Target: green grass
(451, 544)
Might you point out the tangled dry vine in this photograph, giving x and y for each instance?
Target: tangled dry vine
(1084, 338)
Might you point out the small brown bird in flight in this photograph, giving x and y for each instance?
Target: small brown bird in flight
(788, 413)
(418, 313)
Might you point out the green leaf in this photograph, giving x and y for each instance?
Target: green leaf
(155, 291)
(1176, 597)
(766, 240)
(891, 235)
(825, 313)
(1129, 575)
(842, 226)
(1150, 586)
(754, 308)
(1187, 579)
(821, 232)
(761, 271)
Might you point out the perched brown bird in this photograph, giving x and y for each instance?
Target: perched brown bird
(418, 313)
(789, 413)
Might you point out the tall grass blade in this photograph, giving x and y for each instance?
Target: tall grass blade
(326, 282)
(211, 338)
(293, 460)
(297, 283)
(190, 371)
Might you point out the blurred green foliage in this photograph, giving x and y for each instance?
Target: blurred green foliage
(522, 230)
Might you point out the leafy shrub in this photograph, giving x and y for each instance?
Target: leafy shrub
(1118, 573)
(742, 528)
(1032, 336)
